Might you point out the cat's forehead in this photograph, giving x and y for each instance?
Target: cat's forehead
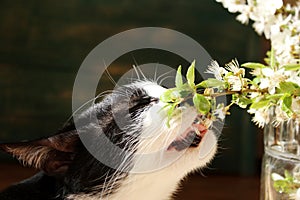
(150, 88)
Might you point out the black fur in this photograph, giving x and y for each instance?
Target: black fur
(68, 168)
(40, 186)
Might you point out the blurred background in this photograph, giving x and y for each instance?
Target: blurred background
(43, 44)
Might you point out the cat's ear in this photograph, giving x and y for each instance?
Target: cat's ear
(53, 155)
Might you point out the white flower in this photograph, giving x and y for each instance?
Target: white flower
(233, 6)
(280, 22)
(276, 4)
(259, 27)
(271, 79)
(268, 72)
(269, 6)
(261, 116)
(216, 70)
(281, 42)
(296, 105)
(256, 72)
(265, 83)
(253, 95)
(233, 66)
(293, 77)
(235, 83)
(262, 12)
(220, 113)
(281, 116)
(251, 111)
(243, 18)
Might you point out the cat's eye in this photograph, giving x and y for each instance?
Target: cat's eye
(142, 102)
(147, 100)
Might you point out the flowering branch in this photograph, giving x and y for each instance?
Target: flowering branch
(272, 86)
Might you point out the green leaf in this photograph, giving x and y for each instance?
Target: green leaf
(274, 97)
(211, 82)
(280, 185)
(243, 101)
(178, 78)
(170, 96)
(228, 74)
(201, 103)
(287, 87)
(272, 58)
(291, 67)
(287, 100)
(251, 65)
(288, 176)
(256, 81)
(170, 113)
(267, 59)
(176, 95)
(268, 54)
(166, 96)
(286, 105)
(184, 90)
(234, 98)
(190, 75)
(286, 184)
(260, 104)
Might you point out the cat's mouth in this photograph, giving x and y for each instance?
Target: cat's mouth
(191, 137)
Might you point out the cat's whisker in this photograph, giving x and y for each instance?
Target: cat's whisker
(138, 69)
(165, 78)
(155, 73)
(162, 76)
(110, 77)
(136, 72)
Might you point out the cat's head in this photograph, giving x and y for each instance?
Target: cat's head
(127, 132)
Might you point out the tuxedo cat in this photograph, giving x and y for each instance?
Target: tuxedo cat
(131, 118)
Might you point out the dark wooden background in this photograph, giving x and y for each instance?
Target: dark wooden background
(44, 42)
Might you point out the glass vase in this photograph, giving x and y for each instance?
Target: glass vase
(280, 176)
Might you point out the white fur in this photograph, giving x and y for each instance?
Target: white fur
(161, 184)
